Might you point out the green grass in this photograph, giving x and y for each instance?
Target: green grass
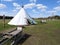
(41, 34)
(6, 25)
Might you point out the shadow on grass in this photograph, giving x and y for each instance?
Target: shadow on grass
(25, 37)
(21, 41)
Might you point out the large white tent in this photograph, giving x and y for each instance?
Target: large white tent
(21, 19)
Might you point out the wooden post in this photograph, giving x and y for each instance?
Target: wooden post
(19, 28)
(4, 21)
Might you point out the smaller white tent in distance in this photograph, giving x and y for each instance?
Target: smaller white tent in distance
(22, 19)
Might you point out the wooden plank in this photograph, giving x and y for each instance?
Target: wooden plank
(14, 34)
(17, 40)
(3, 41)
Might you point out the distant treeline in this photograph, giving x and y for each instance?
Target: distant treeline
(51, 17)
(54, 17)
(6, 17)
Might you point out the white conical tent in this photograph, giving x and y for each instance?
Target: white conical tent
(21, 18)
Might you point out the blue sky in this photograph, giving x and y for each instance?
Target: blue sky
(35, 8)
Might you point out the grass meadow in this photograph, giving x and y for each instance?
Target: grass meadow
(40, 34)
(6, 25)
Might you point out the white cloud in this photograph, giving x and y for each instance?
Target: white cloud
(2, 6)
(57, 8)
(58, 1)
(41, 7)
(33, 1)
(31, 5)
(7, 0)
(16, 5)
(52, 11)
(35, 11)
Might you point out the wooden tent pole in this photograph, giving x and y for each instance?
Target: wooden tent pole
(4, 21)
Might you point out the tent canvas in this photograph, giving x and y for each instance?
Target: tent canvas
(22, 18)
(30, 20)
